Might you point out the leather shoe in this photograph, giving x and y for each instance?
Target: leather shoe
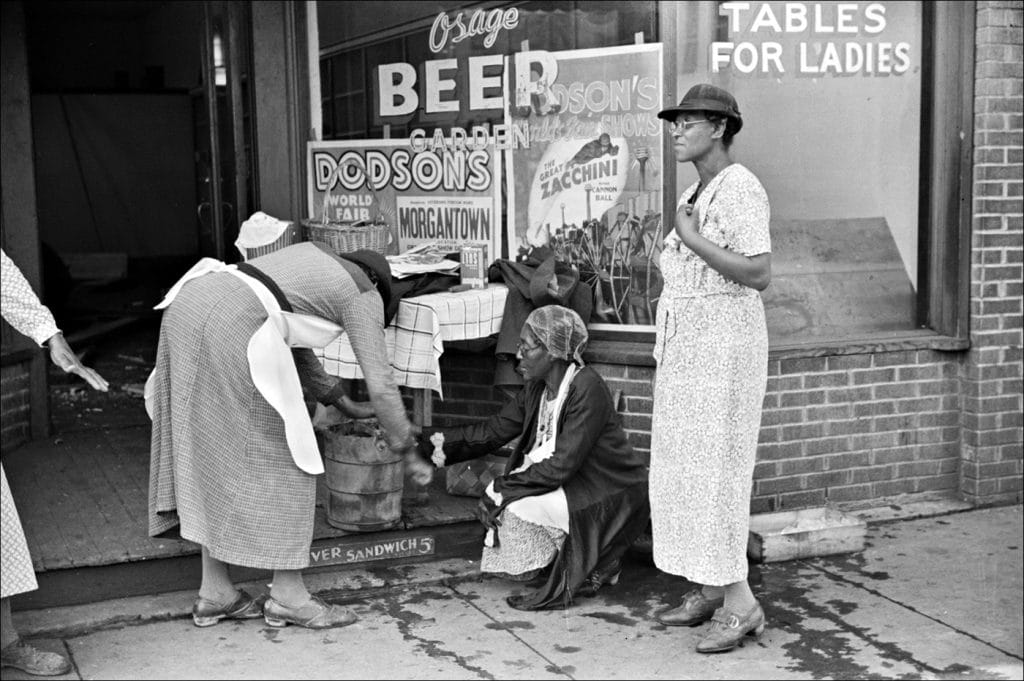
(21, 655)
(206, 613)
(609, 574)
(695, 609)
(315, 614)
(728, 629)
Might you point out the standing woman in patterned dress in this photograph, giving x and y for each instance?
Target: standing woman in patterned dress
(21, 308)
(711, 350)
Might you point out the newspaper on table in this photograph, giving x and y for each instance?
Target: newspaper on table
(421, 259)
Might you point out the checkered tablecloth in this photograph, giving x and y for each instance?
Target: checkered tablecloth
(416, 336)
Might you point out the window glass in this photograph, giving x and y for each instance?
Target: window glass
(543, 25)
(831, 99)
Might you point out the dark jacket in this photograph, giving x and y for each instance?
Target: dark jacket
(604, 480)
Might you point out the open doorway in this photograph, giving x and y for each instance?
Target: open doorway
(133, 182)
(141, 125)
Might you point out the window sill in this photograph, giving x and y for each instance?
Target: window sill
(638, 353)
(892, 342)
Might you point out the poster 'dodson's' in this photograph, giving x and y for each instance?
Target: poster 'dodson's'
(588, 183)
(446, 196)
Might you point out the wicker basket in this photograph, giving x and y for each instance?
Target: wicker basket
(469, 478)
(345, 237)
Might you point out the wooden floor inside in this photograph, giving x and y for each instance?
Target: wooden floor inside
(82, 498)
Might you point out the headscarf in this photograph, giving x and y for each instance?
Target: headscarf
(560, 330)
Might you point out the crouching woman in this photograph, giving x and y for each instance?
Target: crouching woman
(573, 495)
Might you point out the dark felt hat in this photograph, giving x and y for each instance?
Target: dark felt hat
(379, 271)
(709, 98)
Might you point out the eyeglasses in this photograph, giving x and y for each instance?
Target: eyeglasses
(685, 125)
(523, 349)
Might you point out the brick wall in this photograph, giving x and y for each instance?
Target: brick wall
(846, 428)
(468, 381)
(14, 405)
(992, 385)
(842, 429)
(850, 428)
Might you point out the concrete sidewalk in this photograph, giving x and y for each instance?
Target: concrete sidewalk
(935, 597)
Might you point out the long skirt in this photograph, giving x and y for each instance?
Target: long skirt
(219, 461)
(711, 377)
(529, 536)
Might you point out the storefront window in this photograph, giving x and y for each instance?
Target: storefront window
(831, 97)
(835, 108)
(582, 149)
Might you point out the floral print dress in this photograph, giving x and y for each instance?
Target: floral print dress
(22, 310)
(711, 350)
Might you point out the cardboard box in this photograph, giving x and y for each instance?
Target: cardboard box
(473, 268)
(804, 534)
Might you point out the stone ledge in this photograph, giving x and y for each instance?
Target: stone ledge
(906, 508)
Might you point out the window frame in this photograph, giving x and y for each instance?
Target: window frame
(946, 161)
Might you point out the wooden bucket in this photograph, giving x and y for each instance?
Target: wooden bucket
(364, 478)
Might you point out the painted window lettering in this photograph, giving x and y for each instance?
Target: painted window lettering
(482, 22)
(820, 54)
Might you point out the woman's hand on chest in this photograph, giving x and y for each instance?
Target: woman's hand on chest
(687, 226)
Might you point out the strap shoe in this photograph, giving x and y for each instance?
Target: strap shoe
(695, 609)
(609, 574)
(728, 629)
(206, 613)
(315, 614)
(20, 655)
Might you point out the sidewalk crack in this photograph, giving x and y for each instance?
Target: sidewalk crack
(71, 659)
(552, 666)
(874, 592)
